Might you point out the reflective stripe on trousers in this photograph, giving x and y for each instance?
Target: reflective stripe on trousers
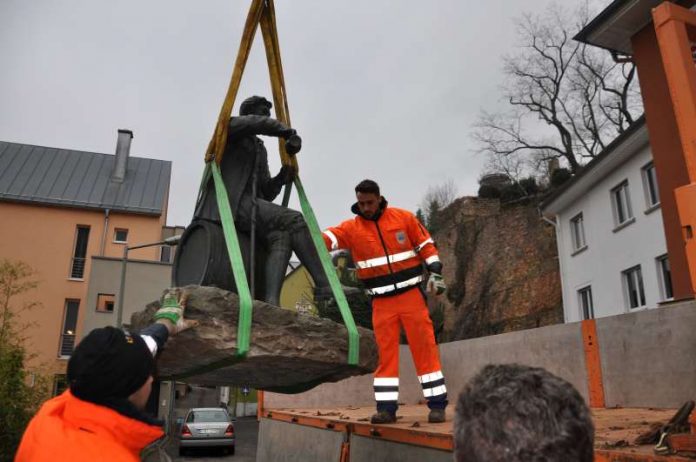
(409, 310)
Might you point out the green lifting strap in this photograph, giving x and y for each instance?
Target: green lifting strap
(235, 253)
(346, 314)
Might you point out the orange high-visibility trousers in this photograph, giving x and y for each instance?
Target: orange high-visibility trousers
(407, 309)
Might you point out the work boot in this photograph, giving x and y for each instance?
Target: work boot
(383, 417)
(436, 416)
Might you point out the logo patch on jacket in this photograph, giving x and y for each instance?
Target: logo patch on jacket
(401, 237)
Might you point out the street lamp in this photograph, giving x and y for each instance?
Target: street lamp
(170, 241)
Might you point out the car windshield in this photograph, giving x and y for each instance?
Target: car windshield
(207, 416)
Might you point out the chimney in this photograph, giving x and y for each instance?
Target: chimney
(122, 152)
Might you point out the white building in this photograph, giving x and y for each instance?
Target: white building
(611, 242)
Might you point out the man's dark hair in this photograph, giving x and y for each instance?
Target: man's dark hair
(514, 413)
(367, 187)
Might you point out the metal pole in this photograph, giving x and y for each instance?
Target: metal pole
(171, 425)
(122, 290)
(170, 241)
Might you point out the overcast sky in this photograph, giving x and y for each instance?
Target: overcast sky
(377, 89)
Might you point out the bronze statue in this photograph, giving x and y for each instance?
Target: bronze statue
(251, 190)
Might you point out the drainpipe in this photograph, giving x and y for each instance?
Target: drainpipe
(554, 223)
(106, 230)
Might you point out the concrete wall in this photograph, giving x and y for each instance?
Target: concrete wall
(145, 282)
(610, 251)
(286, 442)
(363, 449)
(648, 359)
(556, 348)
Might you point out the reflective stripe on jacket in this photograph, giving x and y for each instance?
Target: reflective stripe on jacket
(71, 430)
(388, 252)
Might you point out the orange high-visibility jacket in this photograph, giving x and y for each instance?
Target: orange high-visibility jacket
(71, 430)
(387, 252)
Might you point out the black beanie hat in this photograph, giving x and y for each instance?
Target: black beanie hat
(108, 364)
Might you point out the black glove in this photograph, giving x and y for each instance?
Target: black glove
(293, 144)
(435, 267)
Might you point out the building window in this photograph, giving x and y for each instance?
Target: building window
(105, 303)
(77, 268)
(60, 384)
(577, 229)
(621, 204)
(652, 194)
(664, 275)
(633, 287)
(120, 236)
(67, 336)
(585, 301)
(166, 254)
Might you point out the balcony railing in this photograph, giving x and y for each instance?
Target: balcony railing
(67, 344)
(77, 270)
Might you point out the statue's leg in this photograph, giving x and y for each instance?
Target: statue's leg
(304, 247)
(272, 218)
(279, 251)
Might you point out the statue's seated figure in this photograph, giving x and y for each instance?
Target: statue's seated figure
(202, 257)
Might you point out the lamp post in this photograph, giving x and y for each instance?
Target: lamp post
(170, 241)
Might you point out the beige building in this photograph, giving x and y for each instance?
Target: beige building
(60, 208)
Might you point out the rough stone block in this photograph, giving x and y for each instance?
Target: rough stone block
(288, 353)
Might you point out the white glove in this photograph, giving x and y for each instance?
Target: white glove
(171, 313)
(436, 285)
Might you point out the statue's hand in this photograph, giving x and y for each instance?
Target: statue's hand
(293, 144)
(287, 173)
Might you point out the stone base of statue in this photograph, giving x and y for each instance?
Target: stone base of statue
(289, 352)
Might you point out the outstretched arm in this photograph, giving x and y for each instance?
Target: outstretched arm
(337, 237)
(258, 125)
(169, 320)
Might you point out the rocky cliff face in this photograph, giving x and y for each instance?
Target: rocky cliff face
(501, 266)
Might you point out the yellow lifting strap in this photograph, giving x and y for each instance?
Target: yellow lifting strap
(263, 12)
(260, 12)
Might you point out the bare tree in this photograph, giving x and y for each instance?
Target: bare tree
(566, 100)
(442, 194)
(437, 198)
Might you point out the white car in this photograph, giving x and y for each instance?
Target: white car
(207, 427)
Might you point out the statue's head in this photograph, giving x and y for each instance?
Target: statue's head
(256, 105)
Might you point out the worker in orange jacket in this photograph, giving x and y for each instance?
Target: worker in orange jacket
(389, 247)
(101, 417)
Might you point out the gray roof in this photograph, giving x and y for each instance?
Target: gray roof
(65, 177)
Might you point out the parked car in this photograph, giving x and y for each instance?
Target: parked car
(207, 427)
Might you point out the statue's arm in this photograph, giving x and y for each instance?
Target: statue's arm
(258, 125)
